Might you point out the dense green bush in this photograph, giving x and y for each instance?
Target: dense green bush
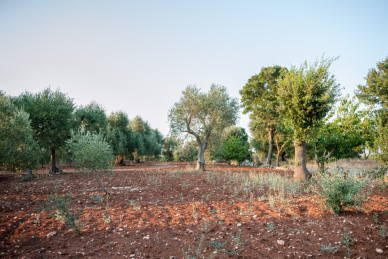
(91, 153)
(342, 190)
(187, 153)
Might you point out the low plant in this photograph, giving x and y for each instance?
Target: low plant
(60, 207)
(383, 232)
(197, 253)
(270, 226)
(348, 241)
(341, 190)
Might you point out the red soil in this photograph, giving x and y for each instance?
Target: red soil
(167, 210)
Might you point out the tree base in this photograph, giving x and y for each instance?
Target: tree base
(200, 166)
(55, 170)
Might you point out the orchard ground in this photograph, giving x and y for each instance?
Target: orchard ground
(168, 210)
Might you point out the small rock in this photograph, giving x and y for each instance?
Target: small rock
(132, 255)
(189, 231)
(147, 237)
(120, 229)
(51, 234)
(380, 251)
(238, 224)
(281, 242)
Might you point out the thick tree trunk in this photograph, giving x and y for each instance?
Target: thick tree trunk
(301, 173)
(270, 148)
(121, 160)
(201, 160)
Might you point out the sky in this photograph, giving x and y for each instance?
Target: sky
(138, 56)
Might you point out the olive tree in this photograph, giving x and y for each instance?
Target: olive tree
(201, 114)
(92, 117)
(51, 119)
(18, 150)
(306, 94)
(91, 153)
(259, 96)
(375, 94)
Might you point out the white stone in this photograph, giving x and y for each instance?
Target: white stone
(380, 251)
(281, 242)
(51, 234)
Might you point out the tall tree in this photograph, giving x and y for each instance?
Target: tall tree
(120, 136)
(375, 94)
(202, 114)
(91, 117)
(18, 150)
(259, 96)
(306, 94)
(51, 119)
(342, 134)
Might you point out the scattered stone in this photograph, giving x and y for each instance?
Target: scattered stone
(238, 224)
(281, 242)
(189, 231)
(380, 251)
(51, 234)
(147, 237)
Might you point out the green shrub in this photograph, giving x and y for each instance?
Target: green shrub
(91, 153)
(60, 208)
(342, 190)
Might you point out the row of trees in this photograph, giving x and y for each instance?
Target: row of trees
(292, 110)
(33, 125)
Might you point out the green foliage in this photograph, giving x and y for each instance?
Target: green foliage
(51, 118)
(342, 191)
(50, 114)
(375, 91)
(260, 97)
(187, 152)
(148, 141)
(202, 114)
(90, 151)
(306, 94)
(18, 150)
(120, 136)
(169, 146)
(348, 241)
(91, 117)
(60, 207)
(375, 94)
(343, 133)
(235, 145)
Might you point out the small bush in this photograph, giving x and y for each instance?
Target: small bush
(60, 208)
(342, 190)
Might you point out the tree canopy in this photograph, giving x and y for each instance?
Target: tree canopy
(260, 97)
(306, 94)
(51, 118)
(18, 150)
(200, 114)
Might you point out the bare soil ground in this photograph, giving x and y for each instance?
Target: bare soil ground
(167, 210)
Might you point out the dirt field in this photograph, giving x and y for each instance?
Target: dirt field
(167, 210)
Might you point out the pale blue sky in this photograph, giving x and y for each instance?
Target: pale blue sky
(138, 56)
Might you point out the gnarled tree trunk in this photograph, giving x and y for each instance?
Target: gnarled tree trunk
(201, 160)
(271, 134)
(301, 173)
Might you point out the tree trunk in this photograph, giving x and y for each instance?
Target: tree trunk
(278, 159)
(201, 160)
(99, 180)
(121, 160)
(301, 173)
(54, 168)
(270, 148)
